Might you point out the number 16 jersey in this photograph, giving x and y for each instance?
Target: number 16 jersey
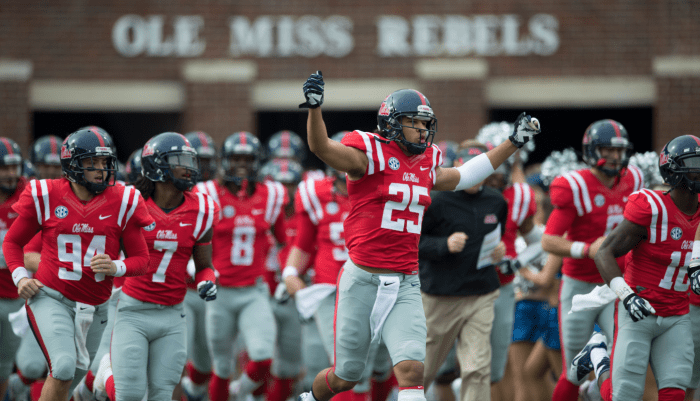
(388, 202)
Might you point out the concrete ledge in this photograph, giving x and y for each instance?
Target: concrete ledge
(211, 71)
(15, 70)
(340, 94)
(677, 66)
(106, 95)
(571, 91)
(451, 69)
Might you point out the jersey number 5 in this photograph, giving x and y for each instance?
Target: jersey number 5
(75, 255)
(681, 283)
(408, 193)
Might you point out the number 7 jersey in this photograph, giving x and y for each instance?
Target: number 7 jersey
(657, 267)
(388, 202)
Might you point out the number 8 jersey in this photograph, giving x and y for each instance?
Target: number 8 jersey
(388, 202)
(657, 267)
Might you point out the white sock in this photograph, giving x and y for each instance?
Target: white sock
(597, 355)
(411, 395)
(247, 385)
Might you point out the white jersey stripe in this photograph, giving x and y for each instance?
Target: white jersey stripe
(279, 201)
(432, 169)
(664, 215)
(36, 201)
(313, 197)
(654, 217)
(517, 202)
(210, 217)
(305, 201)
(211, 190)
(137, 195)
(45, 195)
(270, 201)
(584, 191)
(368, 151)
(200, 216)
(380, 154)
(525, 206)
(125, 203)
(201, 187)
(638, 177)
(574, 190)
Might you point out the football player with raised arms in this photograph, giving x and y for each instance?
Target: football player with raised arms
(149, 350)
(588, 204)
(83, 218)
(249, 210)
(389, 178)
(652, 326)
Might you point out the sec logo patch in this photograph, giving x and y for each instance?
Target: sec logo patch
(394, 163)
(229, 211)
(150, 227)
(676, 233)
(332, 208)
(599, 200)
(61, 212)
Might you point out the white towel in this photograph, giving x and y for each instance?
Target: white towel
(19, 321)
(599, 297)
(308, 299)
(387, 292)
(83, 319)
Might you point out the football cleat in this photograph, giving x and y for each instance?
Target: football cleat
(307, 396)
(81, 393)
(103, 372)
(17, 390)
(192, 391)
(582, 365)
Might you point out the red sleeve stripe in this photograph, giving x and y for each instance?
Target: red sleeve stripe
(37, 205)
(521, 203)
(575, 192)
(368, 151)
(380, 153)
(279, 201)
(315, 214)
(200, 216)
(125, 204)
(135, 202)
(656, 205)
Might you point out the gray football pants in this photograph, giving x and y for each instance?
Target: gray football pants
(150, 349)
(244, 310)
(665, 343)
(576, 328)
(197, 352)
(9, 342)
(107, 334)
(694, 317)
(287, 361)
(30, 359)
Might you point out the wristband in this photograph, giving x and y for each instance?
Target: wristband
(577, 249)
(696, 250)
(289, 271)
(206, 274)
(18, 274)
(620, 287)
(121, 268)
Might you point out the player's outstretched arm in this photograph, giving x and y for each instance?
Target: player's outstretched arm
(335, 154)
(477, 169)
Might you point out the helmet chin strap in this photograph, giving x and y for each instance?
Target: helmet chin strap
(607, 171)
(410, 146)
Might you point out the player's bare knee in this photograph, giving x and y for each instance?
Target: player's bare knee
(339, 385)
(409, 373)
(63, 368)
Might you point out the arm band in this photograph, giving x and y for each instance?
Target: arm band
(474, 171)
(18, 274)
(205, 275)
(577, 249)
(620, 288)
(121, 268)
(289, 271)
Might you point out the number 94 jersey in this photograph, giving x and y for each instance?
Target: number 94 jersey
(242, 238)
(171, 240)
(388, 202)
(657, 267)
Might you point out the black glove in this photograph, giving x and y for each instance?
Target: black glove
(638, 307)
(509, 266)
(313, 91)
(524, 128)
(207, 290)
(694, 274)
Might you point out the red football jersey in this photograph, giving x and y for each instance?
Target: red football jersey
(322, 211)
(242, 237)
(388, 202)
(521, 205)
(171, 242)
(657, 267)
(7, 217)
(74, 231)
(593, 209)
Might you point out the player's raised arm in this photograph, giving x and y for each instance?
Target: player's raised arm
(335, 154)
(480, 167)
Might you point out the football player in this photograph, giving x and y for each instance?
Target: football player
(83, 218)
(286, 145)
(206, 152)
(46, 157)
(652, 326)
(11, 186)
(390, 176)
(588, 204)
(241, 244)
(149, 351)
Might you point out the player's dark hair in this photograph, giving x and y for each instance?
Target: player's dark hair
(145, 186)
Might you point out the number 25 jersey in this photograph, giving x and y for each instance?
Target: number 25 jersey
(388, 202)
(657, 267)
(242, 236)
